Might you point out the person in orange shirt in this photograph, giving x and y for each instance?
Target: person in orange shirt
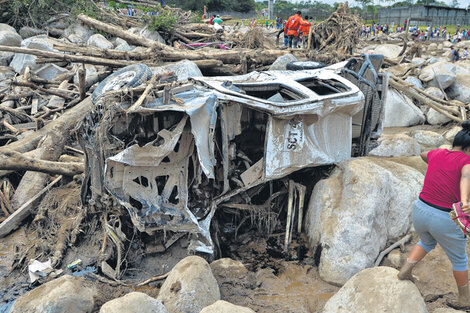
(304, 30)
(292, 28)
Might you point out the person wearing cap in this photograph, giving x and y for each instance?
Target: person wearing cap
(217, 20)
(292, 28)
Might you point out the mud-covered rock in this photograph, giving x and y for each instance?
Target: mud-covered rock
(356, 211)
(66, 294)
(233, 278)
(451, 133)
(281, 62)
(182, 69)
(189, 287)
(134, 302)
(21, 61)
(99, 41)
(428, 138)
(226, 307)
(400, 111)
(460, 89)
(81, 32)
(27, 32)
(443, 73)
(376, 290)
(447, 310)
(397, 145)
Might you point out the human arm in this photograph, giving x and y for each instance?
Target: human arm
(424, 156)
(465, 188)
(305, 23)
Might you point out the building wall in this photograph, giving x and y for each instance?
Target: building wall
(439, 15)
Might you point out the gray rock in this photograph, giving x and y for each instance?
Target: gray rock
(75, 39)
(27, 32)
(447, 310)
(5, 73)
(281, 62)
(21, 61)
(91, 76)
(400, 111)
(50, 71)
(460, 89)
(190, 287)
(7, 28)
(226, 307)
(10, 39)
(414, 81)
(5, 58)
(435, 118)
(376, 290)
(124, 47)
(153, 35)
(396, 146)
(66, 294)
(388, 50)
(99, 41)
(440, 72)
(182, 69)
(348, 217)
(428, 138)
(80, 31)
(436, 92)
(134, 302)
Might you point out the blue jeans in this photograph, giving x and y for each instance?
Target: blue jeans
(435, 226)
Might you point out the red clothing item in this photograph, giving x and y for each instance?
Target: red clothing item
(293, 25)
(442, 180)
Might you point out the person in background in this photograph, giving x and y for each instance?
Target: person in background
(211, 21)
(304, 30)
(454, 54)
(465, 53)
(447, 181)
(292, 28)
(217, 20)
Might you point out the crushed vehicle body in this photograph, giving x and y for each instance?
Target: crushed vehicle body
(185, 151)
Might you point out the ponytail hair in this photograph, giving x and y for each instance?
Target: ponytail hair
(462, 139)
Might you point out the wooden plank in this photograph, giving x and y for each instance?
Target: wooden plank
(14, 220)
(253, 174)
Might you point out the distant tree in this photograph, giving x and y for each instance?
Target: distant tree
(455, 4)
(244, 5)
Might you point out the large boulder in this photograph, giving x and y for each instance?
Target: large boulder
(190, 287)
(451, 133)
(50, 71)
(443, 73)
(447, 310)
(376, 290)
(365, 203)
(397, 145)
(226, 307)
(134, 302)
(7, 28)
(27, 32)
(281, 62)
(153, 35)
(436, 118)
(182, 69)
(388, 50)
(460, 89)
(233, 278)
(428, 138)
(99, 41)
(21, 61)
(66, 294)
(10, 39)
(400, 111)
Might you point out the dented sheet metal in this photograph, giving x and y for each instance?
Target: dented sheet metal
(151, 182)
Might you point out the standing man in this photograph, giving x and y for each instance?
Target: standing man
(304, 30)
(292, 28)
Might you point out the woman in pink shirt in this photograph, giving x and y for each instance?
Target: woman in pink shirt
(447, 181)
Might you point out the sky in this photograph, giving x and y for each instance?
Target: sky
(463, 3)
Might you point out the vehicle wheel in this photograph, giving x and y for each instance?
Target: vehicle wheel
(129, 76)
(304, 65)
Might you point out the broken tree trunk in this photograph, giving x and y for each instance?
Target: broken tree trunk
(12, 160)
(131, 38)
(32, 182)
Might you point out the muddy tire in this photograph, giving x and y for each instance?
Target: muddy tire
(129, 76)
(304, 65)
